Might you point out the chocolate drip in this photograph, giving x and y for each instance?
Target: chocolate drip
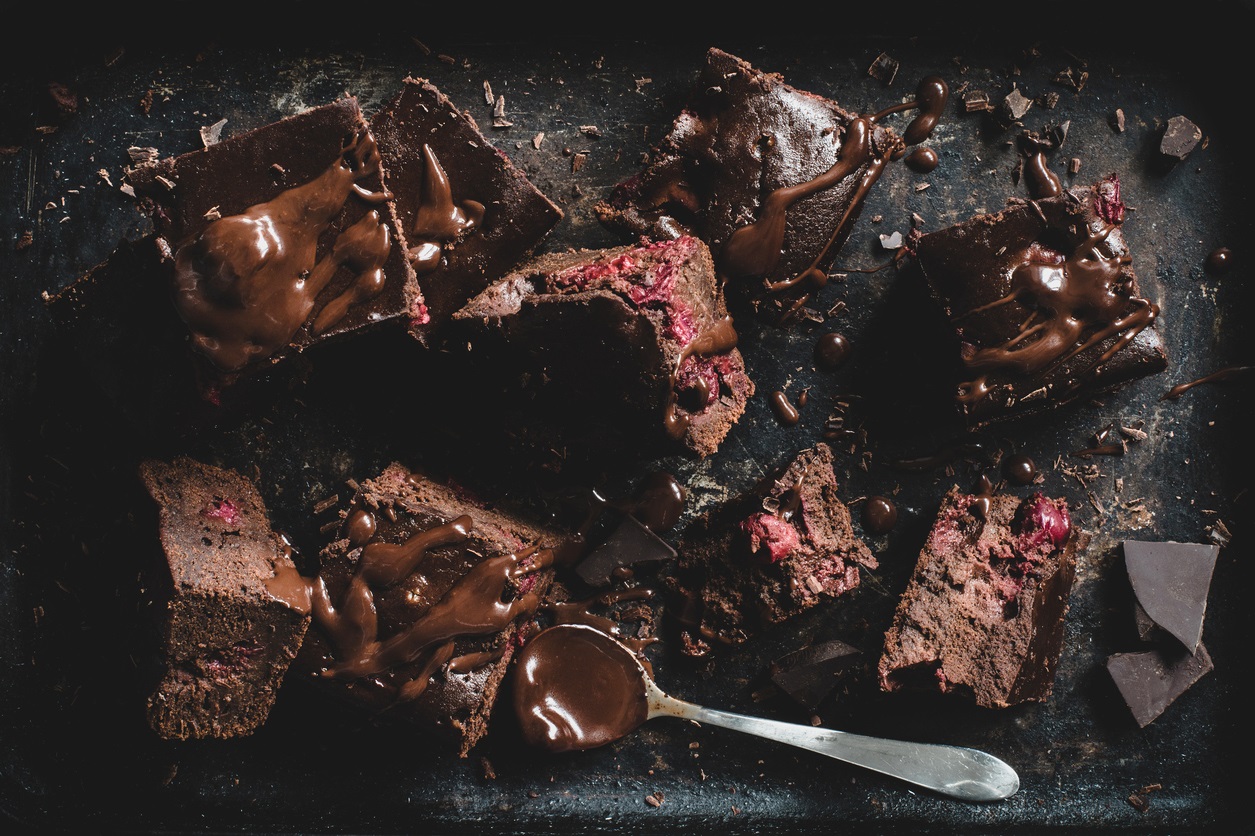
(922, 160)
(577, 688)
(439, 221)
(359, 528)
(1215, 377)
(753, 251)
(469, 662)
(363, 248)
(1039, 179)
(983, 501)
(1066, 296)
(248, 282)
(880, 514)
(719, 338)
(289, 587)
(1019, 470)
(1219, 261)
(786, 413)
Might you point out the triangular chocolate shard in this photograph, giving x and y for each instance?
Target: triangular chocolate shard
(1151, 681)
(630, 545)
(1171, 581)
(809, 675)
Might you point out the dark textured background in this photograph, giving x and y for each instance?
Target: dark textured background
(74, 752)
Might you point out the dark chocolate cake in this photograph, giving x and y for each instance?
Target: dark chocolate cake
(469, 214)
(1044, 302)
(422, 601)
(766, 556)
(983, 614)
(278, 238)
(772, 178)
(230, 608)
(629, 346)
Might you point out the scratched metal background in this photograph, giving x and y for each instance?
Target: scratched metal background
(74, 753)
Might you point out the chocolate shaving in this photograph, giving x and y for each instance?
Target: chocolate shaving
(1117, 121)
(210, 134)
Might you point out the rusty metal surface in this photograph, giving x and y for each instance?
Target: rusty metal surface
(76, 753)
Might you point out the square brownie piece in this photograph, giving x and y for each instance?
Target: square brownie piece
(771, 177)
(766, 556)
(468, 213)
(1044, 301)
(279, 238)
(983, 614)
(230, 610)
(421, 601)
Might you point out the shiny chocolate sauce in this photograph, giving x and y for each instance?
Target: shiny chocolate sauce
(753, 251)
(439, 221)
(1068, 297)
(983, 499)
(922, 160)
(247, 283)
(475, 605)
(1219, 261)
(581, 612)
(786, 413)
(880, 514)
(659, 502)
(575, 688)
(1019, 470)
(718, 339)
(1215, 377)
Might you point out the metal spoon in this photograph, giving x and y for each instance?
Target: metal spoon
(582, 689)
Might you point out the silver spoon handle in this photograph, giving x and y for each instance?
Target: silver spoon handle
(963, 773)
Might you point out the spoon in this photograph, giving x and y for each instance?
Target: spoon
(577, 688)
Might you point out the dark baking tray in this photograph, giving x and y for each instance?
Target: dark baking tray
(76, 755)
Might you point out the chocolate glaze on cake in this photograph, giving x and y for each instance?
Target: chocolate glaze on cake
(468, 212)
(772, 178)
(231, 611)
(983, 614)
(628, 346)
(422, 601)
(1044, 302)
(766, 556)
(278, 238)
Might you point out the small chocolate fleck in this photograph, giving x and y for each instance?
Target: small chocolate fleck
(1117, 121)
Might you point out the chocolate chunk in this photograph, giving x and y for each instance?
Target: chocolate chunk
(1179, 138)
(809, 675)
(630, 544)
(1171, 581)
(975, 101)
(1014, 106)
(1152, 680)
(884, 68)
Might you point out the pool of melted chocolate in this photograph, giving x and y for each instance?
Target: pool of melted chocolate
(582, 114)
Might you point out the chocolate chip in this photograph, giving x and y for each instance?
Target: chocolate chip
(1180, 137)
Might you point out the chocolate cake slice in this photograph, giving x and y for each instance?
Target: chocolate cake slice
(629, 347)
(231, 610)
(279, 238)
(468, 213)
(766, 556)
(983, 614)
(772, 178)
(1044, 301)
(422, 600)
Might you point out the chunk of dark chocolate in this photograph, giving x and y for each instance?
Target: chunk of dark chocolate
(1180, 137)
(810, 674)
(629, 546)
(1150, 681)
(1171, 581)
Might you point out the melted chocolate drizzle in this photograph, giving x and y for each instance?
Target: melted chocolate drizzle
(247, 283)
(439, 221)
(474, 605)
(753, 251)
(1215, 377)
(1066, 296)
(786, 413)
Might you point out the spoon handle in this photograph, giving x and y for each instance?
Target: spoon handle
(967, 774)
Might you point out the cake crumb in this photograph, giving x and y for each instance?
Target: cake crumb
(1117, 120)
(654, 800)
